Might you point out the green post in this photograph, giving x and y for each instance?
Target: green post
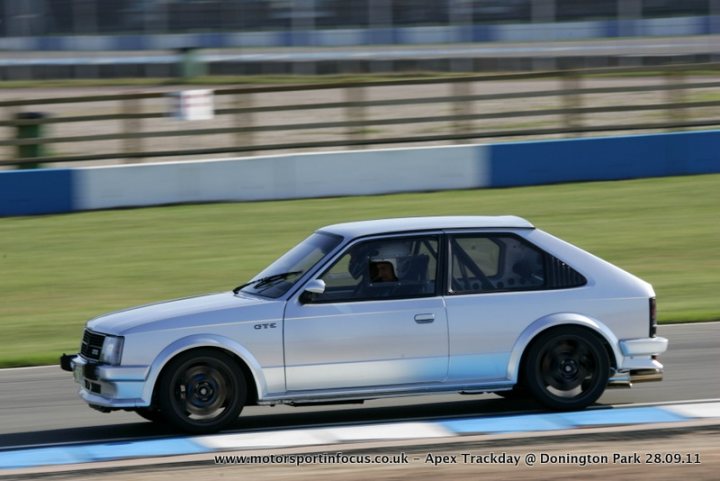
(30, 126)
(190, 64)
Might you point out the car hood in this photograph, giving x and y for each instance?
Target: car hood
(188, 312)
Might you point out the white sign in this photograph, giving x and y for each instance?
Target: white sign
(192, 104)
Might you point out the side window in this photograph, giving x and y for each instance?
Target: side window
(495, 263)
(491, 263)
(480, 251)
(380, 269)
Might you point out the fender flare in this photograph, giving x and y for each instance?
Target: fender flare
(559, 319)
(201, 341)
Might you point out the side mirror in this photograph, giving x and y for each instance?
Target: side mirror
(315, 286)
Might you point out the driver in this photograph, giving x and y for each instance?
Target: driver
(385, 264)
(382, 271)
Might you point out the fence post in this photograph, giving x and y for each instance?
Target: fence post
(190, 65)
(244, 120)
(461, 107)
(356, 112)
(571, 100)
(675, 96)
(30, 126)
(132, 124)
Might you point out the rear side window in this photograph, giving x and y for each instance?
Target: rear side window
(497, 262)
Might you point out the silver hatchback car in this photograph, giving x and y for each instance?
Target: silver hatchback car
(374, 309)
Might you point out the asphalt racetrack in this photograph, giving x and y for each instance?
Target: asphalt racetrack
(39, 406)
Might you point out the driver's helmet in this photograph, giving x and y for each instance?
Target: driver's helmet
(393, 253)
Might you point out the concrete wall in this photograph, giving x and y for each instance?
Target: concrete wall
(281, 177)
(29, 192)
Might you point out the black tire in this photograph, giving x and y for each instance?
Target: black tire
(201, 391)
(151, 415)
(567, 368)
(517, 393)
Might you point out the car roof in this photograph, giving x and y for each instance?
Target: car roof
(411, 224)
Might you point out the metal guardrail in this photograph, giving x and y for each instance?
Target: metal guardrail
(130, 123)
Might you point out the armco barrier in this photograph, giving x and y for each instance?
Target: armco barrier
(360, 172)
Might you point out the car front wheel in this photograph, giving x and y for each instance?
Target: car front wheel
(202, 391)
(567, 368)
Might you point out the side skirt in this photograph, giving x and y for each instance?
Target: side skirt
(376, 392)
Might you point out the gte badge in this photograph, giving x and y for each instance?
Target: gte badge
(266, 325)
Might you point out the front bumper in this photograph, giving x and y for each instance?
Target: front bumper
(109, 387)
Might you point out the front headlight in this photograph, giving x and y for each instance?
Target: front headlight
(112, 350)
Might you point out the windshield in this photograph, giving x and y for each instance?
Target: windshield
(286, 271)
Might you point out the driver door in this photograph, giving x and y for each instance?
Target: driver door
(362, 332)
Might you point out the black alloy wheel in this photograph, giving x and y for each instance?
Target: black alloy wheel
(202, 391)
(567, 368)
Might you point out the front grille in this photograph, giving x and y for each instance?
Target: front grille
(91, 345)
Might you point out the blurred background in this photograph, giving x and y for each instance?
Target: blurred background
(83, 17)
(98, 82)
(121, 38)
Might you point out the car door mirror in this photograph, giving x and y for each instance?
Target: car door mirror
(312, 288)
(315, 286)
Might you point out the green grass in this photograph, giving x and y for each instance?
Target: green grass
(58, 271)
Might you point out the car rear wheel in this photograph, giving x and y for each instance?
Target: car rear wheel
(202, 391)
(567, 368)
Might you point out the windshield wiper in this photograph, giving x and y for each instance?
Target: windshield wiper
(267, 280)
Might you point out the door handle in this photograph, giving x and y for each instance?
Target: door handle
(424, 318)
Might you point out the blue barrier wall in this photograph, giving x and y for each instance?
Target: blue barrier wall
(604, 158)
(30, 192)
(364, 172)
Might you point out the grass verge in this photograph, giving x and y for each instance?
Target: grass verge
(58, 271)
